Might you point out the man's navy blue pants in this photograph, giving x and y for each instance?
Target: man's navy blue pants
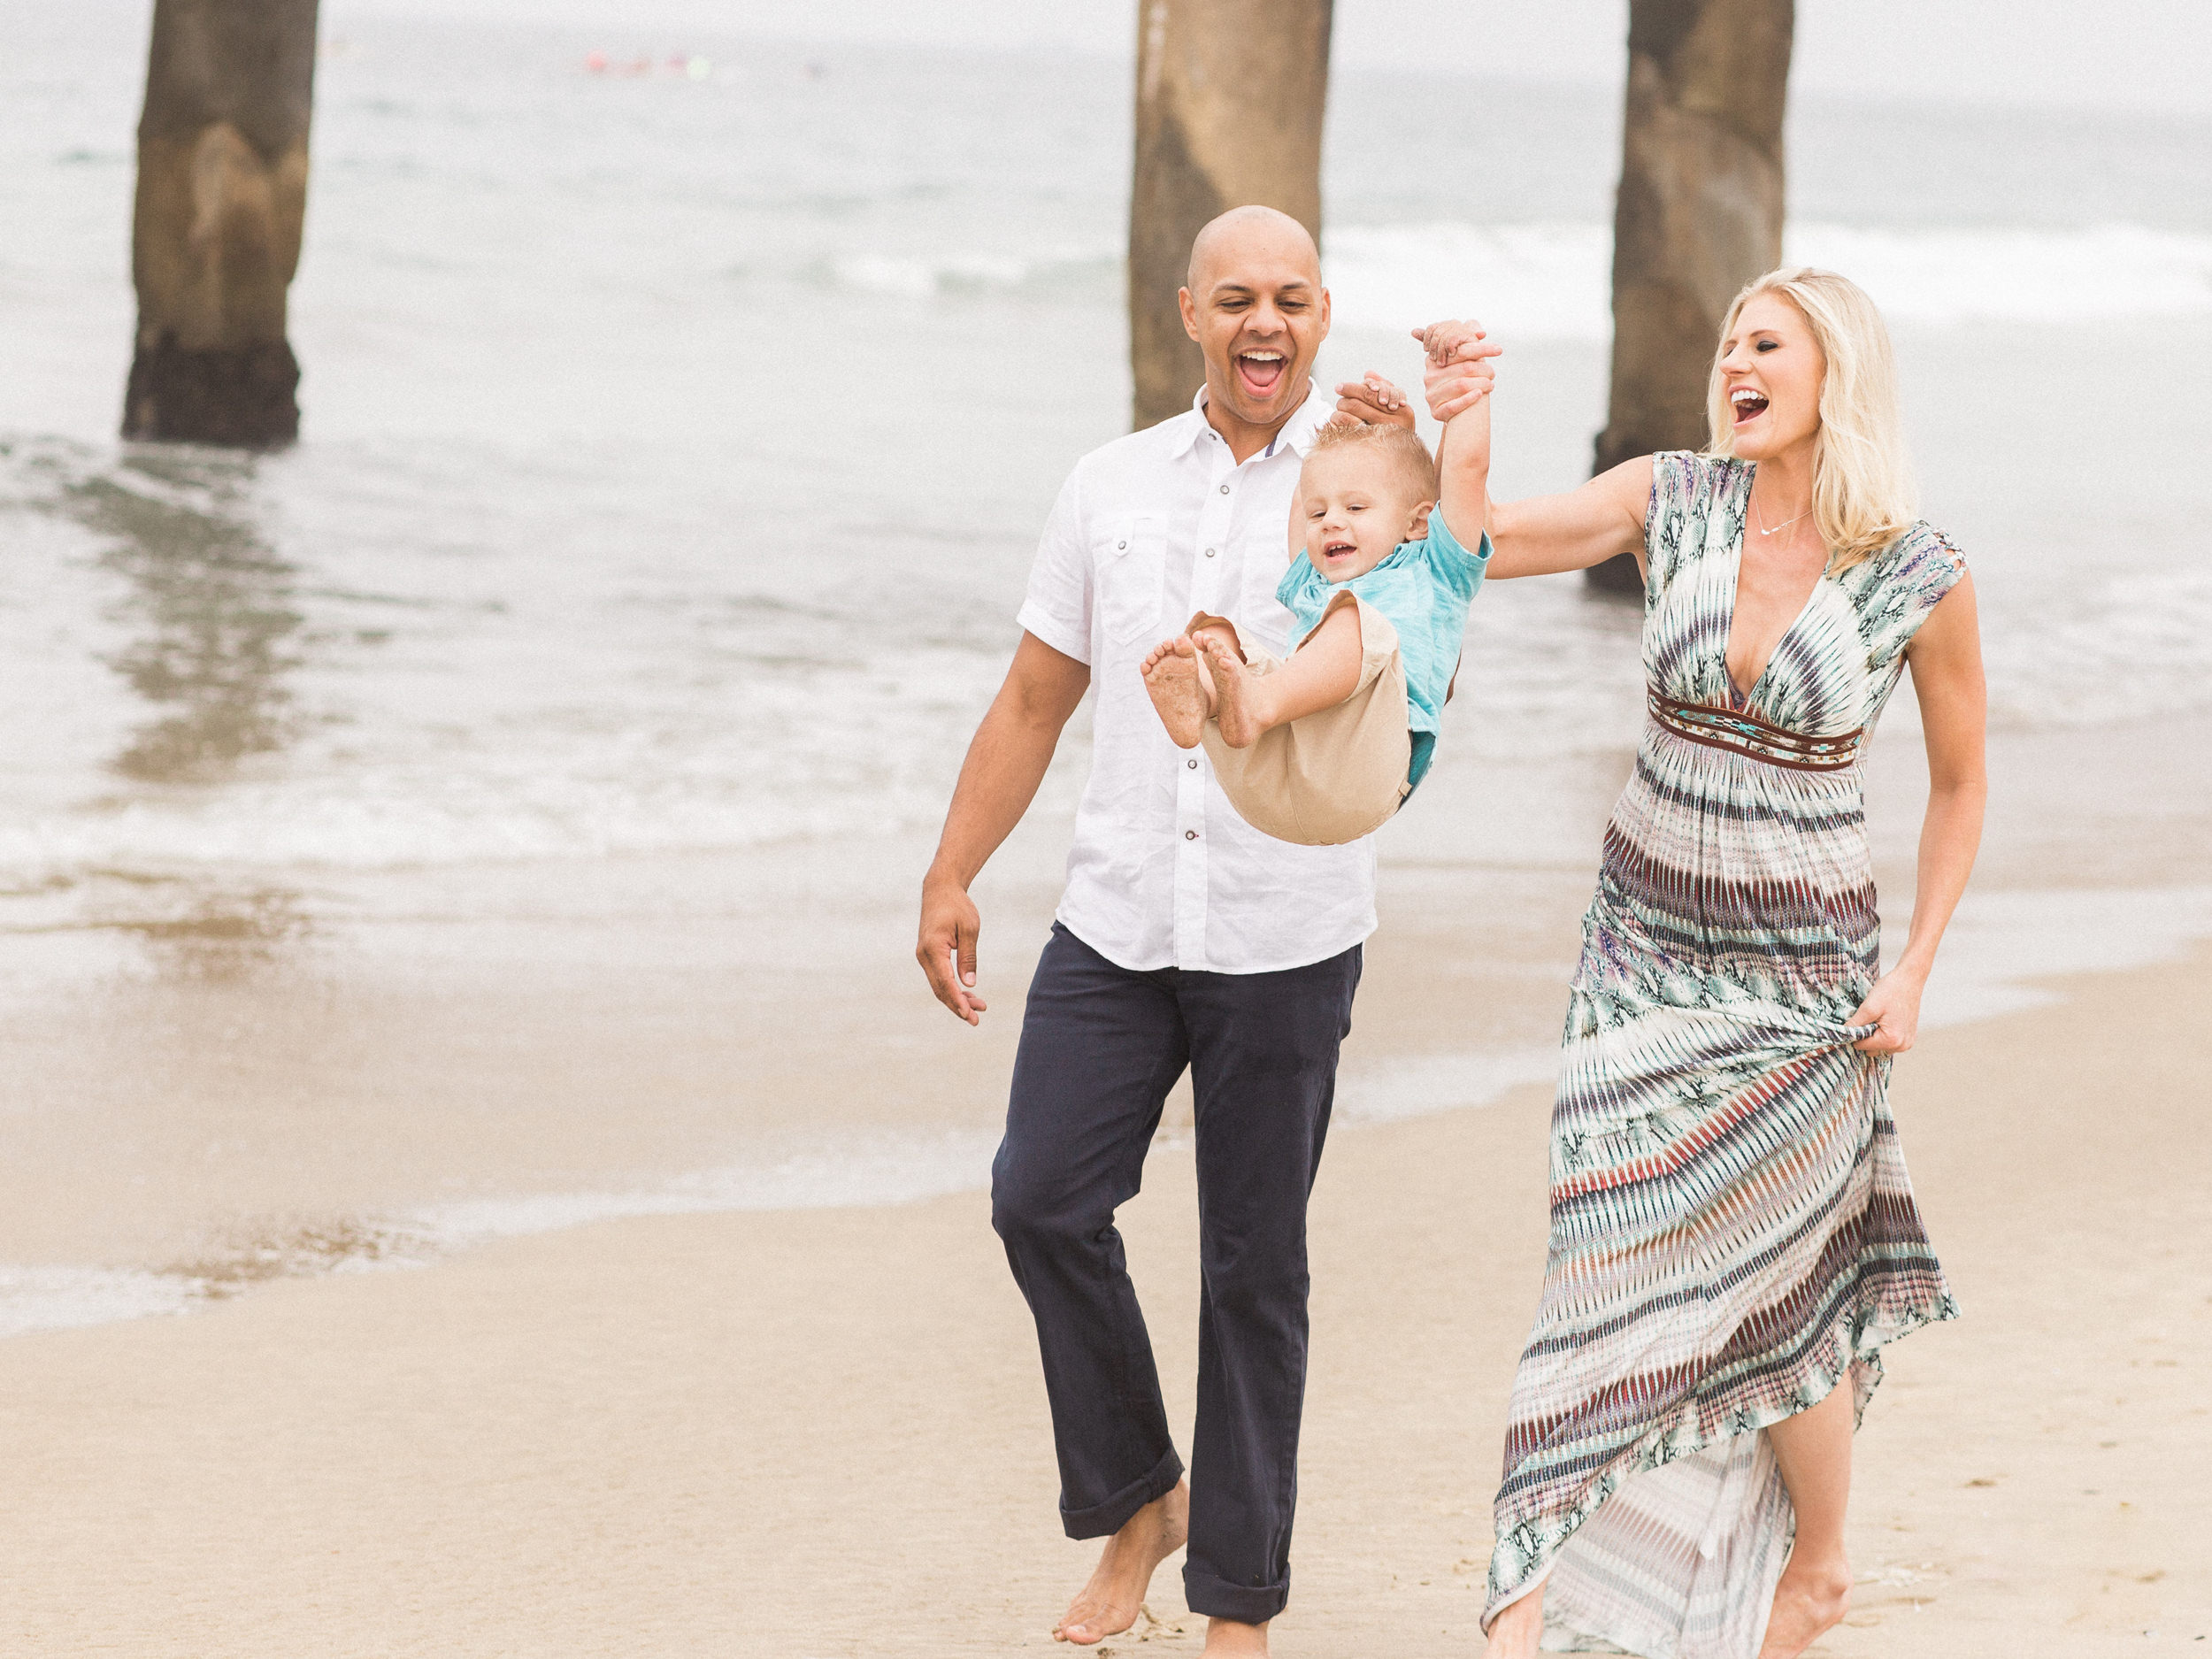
(1100, 1046)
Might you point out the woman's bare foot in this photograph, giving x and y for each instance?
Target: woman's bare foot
(1235, 703)
(1811, 1599)
(1515, 1632)
(1109, 1603)
(1171, 678)
(1225, 1639)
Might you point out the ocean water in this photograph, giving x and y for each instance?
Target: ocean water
(674, 444)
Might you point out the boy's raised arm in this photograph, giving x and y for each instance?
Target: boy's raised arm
(1463, 460)
(1543, 533)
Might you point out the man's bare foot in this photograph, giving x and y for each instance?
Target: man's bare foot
(1811, 1599)
(1109, 1603)
(1515, 1632)
(1241, 723)
(1171, 678)
(1225, 1639)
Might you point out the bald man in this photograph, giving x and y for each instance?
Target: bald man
(1185, 939)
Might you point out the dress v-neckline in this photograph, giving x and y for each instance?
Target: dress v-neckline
(1742, 697)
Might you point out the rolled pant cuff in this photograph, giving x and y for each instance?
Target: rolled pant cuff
(1216, 1598)
(1102, 1520)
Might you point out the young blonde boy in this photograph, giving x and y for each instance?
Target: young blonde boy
(1323, 747)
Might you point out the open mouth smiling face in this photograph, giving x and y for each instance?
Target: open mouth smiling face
(1348, 535)
(1772, 368)
(1255, 306)
(1260, 370)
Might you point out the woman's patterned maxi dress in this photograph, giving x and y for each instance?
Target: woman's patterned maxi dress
(1731, 1228)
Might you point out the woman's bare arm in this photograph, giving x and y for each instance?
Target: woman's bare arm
(1544, 534)
(1945, 659)
(1547, 534)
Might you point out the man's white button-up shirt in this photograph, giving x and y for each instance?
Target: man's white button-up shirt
(1164, 873)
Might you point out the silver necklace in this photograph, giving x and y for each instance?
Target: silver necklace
(1778, 528)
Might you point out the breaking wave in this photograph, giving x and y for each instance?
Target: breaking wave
(1553, 280)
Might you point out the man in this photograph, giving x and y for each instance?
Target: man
(1185, 938)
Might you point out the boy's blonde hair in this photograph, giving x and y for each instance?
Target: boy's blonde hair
(1863, 486)
(1397, 447)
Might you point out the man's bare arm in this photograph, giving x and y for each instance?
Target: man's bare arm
(1006, 762)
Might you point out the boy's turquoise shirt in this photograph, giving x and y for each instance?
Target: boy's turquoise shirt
(1425, 588)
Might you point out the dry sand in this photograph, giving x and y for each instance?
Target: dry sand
(823, 1433)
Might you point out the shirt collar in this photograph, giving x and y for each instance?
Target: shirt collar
(1297, 432)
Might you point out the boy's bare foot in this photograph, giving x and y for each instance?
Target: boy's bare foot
(1515, 1632)
(1811, 1599)
(1240, 722)
(1171, 678)
(1109, 1603)
(1225, 1639)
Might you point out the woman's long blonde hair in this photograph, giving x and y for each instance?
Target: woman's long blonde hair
(1862, 483)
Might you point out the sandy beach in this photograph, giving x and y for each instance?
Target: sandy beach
(483, 1174)
(822, 1433)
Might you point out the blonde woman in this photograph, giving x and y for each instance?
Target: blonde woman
(1733, 1238)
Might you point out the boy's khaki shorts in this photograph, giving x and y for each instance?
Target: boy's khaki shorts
(1332, 777)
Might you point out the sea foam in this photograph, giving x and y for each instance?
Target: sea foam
(68, 1298)
(2003, 948)
(1555, 280)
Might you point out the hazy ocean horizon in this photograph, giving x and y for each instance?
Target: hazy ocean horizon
(673, 446)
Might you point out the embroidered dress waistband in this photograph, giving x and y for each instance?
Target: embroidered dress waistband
(1743, 732)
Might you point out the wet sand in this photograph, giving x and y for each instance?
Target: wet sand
(251, 1090)
(822, 1433)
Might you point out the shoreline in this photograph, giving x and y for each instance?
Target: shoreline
(790, 1432)
(2005, 945)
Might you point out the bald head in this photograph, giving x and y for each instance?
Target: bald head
(1261, 235)
(1257, 310)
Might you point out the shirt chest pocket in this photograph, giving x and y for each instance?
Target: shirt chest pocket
(1131, 561)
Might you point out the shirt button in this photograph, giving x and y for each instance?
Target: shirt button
(1190, 836)
(1120, 546)
(1209, 552)
(1224, 489)
(1192, 764)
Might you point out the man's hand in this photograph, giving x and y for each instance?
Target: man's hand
(1006, 761)
(1371, 402)
(1458, 375)
(946, 950)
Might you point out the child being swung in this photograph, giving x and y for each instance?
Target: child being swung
(1323, 747)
